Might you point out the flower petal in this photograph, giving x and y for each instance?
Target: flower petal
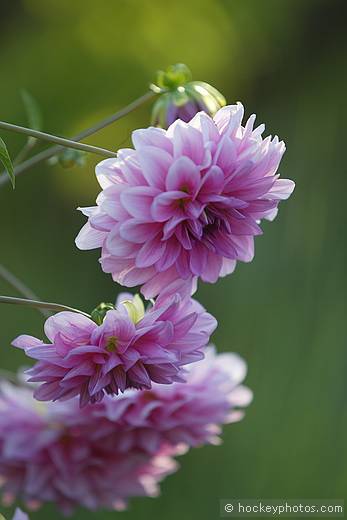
(138, 200)
(155, 163)
(183, 175)
(89, 238)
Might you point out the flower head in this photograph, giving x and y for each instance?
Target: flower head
(47, 454)
(130, 348)
(186, 202)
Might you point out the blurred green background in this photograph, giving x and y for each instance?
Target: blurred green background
(285, 312)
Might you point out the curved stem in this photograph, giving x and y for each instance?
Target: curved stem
(53, 150)
(55, 139)
(29, 145)
(17, 284)
(118, 115)
(40, 305)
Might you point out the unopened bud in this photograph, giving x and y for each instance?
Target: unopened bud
(181, 98)
(69, 158)
(99, 313)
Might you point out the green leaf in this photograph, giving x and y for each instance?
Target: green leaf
(6, 161)
(32, 110)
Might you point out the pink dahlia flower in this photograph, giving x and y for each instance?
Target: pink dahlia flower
(186, 202)
(131, 348)
(104, 454)
(173, 418)
(46, 455)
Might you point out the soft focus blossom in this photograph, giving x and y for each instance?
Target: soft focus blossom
(186, 202)
(183, 415)
(47, 456)
(104, 454)
(131, 348)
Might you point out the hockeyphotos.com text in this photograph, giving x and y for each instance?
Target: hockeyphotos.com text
(278, 507)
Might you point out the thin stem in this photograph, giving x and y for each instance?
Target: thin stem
(58, 140)
(53, 150)
(118, 115)
(17, 284)
(40, 305)
(29, 145)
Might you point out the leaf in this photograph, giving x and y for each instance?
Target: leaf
(32, 109)
(6, 161)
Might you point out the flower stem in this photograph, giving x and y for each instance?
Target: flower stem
(53, 150)
(40, 305)
(29, 145)
(55, 139)
(17, 284)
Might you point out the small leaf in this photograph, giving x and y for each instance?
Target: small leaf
(32, 109)
(6, 161)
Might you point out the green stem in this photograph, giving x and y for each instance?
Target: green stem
(58, 140)
(40, 305)
(118, 115)
(53, 150)
(17, 284)
(29, 145)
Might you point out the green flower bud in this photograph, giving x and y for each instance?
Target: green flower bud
(181, 98)
(99, 313)
(135, 308)
(69, 158)
(174, 77)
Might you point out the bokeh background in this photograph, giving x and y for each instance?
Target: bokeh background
(285, 312)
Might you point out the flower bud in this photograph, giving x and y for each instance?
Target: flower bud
(181, 98)
(135, 308)
(69, 158)
(99, 313)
